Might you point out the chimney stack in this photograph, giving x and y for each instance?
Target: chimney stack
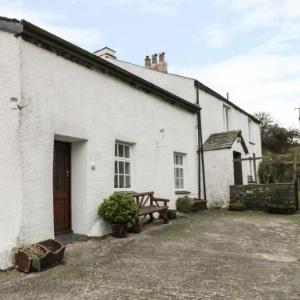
(152, 64)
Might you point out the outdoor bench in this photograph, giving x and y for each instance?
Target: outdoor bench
(148, 205)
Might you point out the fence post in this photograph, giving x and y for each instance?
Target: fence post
(254, 168)
(296, 194)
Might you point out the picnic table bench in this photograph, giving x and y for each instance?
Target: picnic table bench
(148, 205)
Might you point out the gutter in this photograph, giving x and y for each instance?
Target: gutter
(200, 152)
(53, 43)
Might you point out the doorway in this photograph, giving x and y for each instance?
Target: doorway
(62, 187)
(237, 168)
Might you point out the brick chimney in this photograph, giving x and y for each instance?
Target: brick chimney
(152, 63)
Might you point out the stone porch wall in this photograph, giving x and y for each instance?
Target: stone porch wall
(256, 196)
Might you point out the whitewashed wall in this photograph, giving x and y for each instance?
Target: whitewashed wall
(10, 158)
(212, 122)
(68, 102)
(220, 174)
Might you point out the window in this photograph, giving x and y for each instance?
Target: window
(122, 178)
(226, 114)
(250, 130)
(178, 170)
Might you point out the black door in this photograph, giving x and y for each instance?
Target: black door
(237, 168)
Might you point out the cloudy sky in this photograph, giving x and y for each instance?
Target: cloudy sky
(249, 48)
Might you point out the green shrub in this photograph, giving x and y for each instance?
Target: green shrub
(237, 206)
(118, 208)
(171, 214)
(184, 204)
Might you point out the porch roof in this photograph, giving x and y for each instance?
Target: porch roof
(224, 140)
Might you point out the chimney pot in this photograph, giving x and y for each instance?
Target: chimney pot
(154, 59)
(162, 57)
(147, 61)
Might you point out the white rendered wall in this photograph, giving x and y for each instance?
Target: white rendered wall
(212, 117)
(220, 174)
(10, 158)
(68, 102)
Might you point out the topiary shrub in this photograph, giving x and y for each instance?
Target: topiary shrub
(172, 214)
(184, 204)
(118, 208)
(237, 206)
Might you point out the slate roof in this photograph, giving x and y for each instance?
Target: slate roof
(223, 140)
(42, 38)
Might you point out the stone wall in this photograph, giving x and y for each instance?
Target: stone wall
(256, 196)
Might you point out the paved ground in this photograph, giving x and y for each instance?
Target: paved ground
(208, 255)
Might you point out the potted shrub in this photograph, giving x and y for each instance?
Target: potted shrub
(118, 209)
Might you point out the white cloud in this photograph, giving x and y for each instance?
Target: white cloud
(159, 7)
(266, 77)
(215, 36)
(89, 38)
(256, 82)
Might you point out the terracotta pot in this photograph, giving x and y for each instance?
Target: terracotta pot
(119, 230)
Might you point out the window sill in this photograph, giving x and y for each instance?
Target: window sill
(124, 191)
(182, 192)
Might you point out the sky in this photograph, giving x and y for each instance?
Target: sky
(248, 48)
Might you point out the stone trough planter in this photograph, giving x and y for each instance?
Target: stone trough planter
(31, 258)
(37, 257)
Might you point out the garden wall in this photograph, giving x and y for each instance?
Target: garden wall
(256, 196)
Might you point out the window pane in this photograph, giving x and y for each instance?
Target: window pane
(127, 168)
(121, 181)
(177, 174)
(176, 183)
(127, 151)
(121, 150)
(116, 149)
(181, 173)
(116, 181)
(121, 167)
(116, 167)
(180, 159)
(127, 181)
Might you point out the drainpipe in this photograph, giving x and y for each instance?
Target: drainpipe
(200, 151)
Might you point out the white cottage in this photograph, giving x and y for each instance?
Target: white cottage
(228, 132)
(75, 127)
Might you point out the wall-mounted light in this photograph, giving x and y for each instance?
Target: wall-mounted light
(13, 103)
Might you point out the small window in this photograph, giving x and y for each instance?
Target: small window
(179, 170)
(122, 172)
(226, 116)
(250, 130)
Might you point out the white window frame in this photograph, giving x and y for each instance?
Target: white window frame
(226, 117)
(250, 130)
(179, 164)
(124, 160)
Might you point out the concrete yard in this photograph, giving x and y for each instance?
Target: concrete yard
(213, 254)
